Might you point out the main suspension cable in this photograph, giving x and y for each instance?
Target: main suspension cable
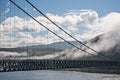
(52, 31)
(66, 32)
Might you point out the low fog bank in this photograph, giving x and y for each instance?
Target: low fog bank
(107, 44)
(5, 54)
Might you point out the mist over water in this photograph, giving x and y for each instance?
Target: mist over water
(107, 44)
(12, 54)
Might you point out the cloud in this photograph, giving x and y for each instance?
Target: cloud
(81, 17)
(109, 22)
(5, 12)
(16, 24)
(34, 9)
(8, 4)
(24, 31)
(75, 18)
(13, 54)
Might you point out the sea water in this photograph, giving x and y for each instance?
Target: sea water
(56, 75)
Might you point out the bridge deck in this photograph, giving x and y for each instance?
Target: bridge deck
(20, 65)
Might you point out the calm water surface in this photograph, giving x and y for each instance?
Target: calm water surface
(56, 75)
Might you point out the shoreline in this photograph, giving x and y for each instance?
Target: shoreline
(94, 70)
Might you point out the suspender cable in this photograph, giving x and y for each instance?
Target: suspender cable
(65, 31)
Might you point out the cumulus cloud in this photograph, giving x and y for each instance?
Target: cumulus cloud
(23, 31)
(82, 17)
(109, 22)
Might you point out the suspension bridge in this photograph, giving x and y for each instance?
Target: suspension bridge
(32, 64)
(36, 64)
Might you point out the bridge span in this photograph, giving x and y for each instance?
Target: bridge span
(32, 64)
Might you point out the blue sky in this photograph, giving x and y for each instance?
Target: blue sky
(57, 9)
(102, 7)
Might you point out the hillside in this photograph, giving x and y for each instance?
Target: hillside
(35, 50)
(104, 44)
